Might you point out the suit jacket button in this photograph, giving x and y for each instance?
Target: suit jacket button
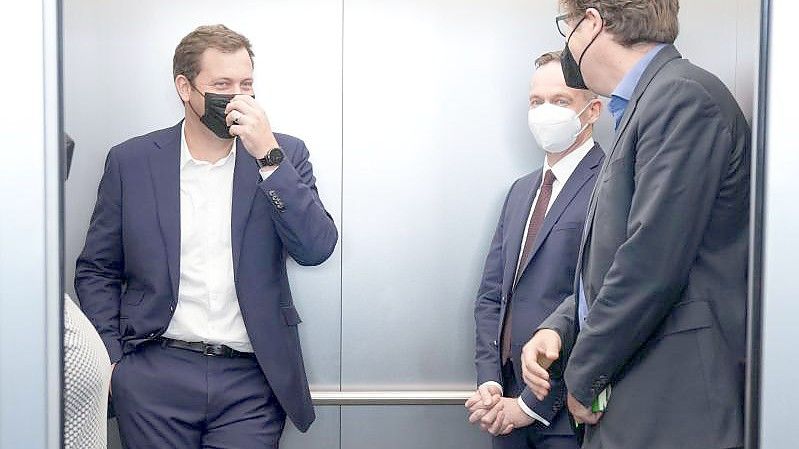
(152, 334)
(494, 343)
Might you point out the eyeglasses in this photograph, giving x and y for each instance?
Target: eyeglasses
(560, 23)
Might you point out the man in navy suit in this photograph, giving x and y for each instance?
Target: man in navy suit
(184, 268)
(530, 265)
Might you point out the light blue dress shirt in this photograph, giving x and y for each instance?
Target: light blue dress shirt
(624, 91)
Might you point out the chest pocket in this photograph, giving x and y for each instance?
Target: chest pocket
(568, 226)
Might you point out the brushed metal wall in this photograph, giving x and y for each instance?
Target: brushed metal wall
(415, 115)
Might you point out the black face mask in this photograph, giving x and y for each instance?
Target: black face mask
(571, 68)
(214, 116)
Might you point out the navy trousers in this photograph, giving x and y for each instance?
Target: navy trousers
(178, 399)
(528, 437)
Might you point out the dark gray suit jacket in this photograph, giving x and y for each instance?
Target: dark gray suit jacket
(664, 264)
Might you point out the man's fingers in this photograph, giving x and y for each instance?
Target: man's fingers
(475, 398)
(486, 396)
(539, 387)
(508, 429)
(237, 118)
(499, 423)
(236, 130)
(536, 380)
(477, 416)
(240, 103)
(535, 368)
(592, 418)
(478, 405)
(538, 384)
(491, 416)
(546, 357)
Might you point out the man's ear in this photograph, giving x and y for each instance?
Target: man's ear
(595, 110)
(183, 86)
(594, 19)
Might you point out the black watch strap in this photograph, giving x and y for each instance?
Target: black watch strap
(273, 157)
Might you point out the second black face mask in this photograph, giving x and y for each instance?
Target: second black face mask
(214, 116)
(571, 70)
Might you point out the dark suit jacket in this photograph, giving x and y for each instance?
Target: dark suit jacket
(127, 275)
(546, 280)
(664, 262)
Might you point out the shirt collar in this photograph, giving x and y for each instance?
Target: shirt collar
(628, 84)
(186, 157)
(564, 168)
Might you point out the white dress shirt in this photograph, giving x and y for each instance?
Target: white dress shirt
(208, 307)
(562, 170)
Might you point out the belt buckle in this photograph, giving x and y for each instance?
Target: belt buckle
(211, 351)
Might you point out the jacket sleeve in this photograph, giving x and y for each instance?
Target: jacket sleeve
(487, 309)
(303, 225)
(562, 322)
(100, 267)
(682, 154)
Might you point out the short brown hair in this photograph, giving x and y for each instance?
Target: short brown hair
(546, 58)
(633, 21)
(555, 57)
(186, 61)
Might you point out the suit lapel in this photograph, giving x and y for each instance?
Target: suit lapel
(516, 233)
(245, 183)
(584, 171)
(665, 55)
(165, 172)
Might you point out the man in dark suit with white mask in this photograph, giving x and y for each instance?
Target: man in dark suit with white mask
(530, 266)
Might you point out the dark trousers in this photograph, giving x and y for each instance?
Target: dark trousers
(529, 437)
(174, 398)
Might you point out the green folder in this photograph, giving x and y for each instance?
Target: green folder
(600, 404)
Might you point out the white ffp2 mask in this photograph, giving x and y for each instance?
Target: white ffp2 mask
(555, 128)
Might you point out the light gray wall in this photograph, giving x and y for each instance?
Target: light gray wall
(781, 239)
(118, 84)
(30, 229)
(415, 115)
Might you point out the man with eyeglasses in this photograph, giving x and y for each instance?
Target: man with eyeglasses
(654, 336)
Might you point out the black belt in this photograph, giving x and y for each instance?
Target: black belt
(204, 348)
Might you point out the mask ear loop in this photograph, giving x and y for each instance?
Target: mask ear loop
(189, 102)
(580, 62)
(584, 127)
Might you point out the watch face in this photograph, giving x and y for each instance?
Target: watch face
(275, 156)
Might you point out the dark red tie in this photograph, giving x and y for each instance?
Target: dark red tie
(539, 213)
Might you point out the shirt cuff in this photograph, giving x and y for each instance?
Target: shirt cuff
(531, 413)
(491, 382)
(266, 172)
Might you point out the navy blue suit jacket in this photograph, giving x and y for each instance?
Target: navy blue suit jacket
(546, 280)
(127, 275)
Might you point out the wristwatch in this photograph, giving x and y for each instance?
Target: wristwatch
(273, 157)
